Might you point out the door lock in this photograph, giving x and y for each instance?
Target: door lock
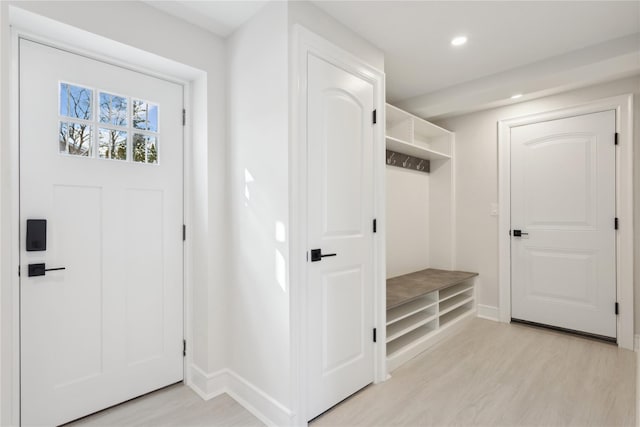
(519, 233)
(316, 255)
(41, 270)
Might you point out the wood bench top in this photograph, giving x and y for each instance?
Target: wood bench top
(402, 289)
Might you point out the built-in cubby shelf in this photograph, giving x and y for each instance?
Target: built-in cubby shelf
(409, 149)
(421, 305)
(408, 324)
(413, 136)
(412, 307)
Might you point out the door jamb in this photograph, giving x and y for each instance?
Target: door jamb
(623, 105)
(13, 150)
(304, 43)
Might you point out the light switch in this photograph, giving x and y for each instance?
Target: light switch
(493, 209)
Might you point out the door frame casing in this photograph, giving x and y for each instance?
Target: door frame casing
(623, 106)
(304, 43)
(13, 152)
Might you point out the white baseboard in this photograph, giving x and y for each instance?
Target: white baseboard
(208, 386)
(489, 312)
(260, 404)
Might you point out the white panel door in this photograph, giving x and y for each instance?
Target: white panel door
(340, 212)
(563, 196)
(101, 161)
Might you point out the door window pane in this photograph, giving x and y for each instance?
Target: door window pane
(75, 101)
(75, 139)
(145, 116)
(112, 144)
(145, 148)
(113, 109)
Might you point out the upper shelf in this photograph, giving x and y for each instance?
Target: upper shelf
(413, 136)
(395, 144)
(421, 126)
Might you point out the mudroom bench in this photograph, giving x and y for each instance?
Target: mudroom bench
(421, 306)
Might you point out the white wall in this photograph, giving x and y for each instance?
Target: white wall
(258, 136)
(477, 180)
(407, 202)
(143, 27)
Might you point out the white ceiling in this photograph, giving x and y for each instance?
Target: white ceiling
(533, 47)
(415, 35)
(217, 16)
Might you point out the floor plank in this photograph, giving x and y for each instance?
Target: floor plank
(493, 374)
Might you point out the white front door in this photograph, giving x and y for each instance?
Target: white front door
(101, 162)
(563, 266)
(340, 213)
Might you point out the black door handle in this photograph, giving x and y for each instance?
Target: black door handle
(316, 255)
(519, 233)
(41, 270)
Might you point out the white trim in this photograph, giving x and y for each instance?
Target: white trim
(623, 105)
(488, 312)
(253, 399)
(46, 30)
(13, 149)
(185, 76)
(303, 43)
(205, 385)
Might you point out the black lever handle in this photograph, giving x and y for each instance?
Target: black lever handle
(519, 233)
(316, 255)
(40, 269)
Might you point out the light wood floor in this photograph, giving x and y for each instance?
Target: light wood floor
(487, 374)
(175, 406)
(495, 374)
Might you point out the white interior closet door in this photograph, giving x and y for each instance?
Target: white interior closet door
(563, 265)
(101, 162)
(340, 211)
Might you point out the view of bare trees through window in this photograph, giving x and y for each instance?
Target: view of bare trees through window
(112, 143)
(75, 103)
(117, 115)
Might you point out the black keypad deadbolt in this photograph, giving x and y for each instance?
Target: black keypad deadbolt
(36, 235)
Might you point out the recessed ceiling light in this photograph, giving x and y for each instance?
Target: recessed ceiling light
(459, 41)
(516, 96)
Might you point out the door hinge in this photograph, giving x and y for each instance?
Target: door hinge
(184, 117)
(375, 337)
(375, 116)
(184, 348)
(615, 223)
(18, 271)
(617, 308)
(184, 232)
(615, 139)
(375, 225)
